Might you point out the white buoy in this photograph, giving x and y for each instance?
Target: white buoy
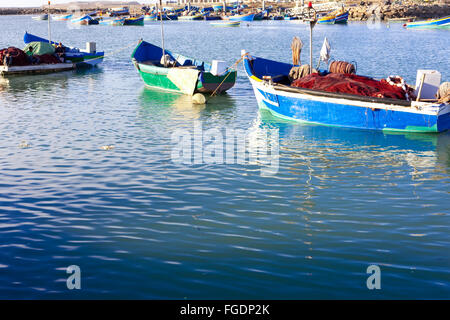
(110, 147)
(24, 145)
(198, 98)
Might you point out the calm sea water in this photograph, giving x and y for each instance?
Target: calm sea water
(140, 226)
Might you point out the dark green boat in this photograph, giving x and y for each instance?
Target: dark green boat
(186, 75)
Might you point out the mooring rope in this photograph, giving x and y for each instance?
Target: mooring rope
(112, 53)
(233, 67)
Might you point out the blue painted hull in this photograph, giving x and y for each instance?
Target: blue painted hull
(342, 110)
(436, 23)
(347, 115)
(248, 17)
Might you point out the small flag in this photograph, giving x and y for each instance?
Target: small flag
(325, 51)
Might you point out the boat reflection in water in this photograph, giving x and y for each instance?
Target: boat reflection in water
(159, 105)
(36, 84)
(375, 153)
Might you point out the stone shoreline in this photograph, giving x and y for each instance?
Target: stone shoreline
(357, 12)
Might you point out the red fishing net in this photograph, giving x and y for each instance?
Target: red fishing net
(19, 57)
(350, 83)
(48, 58)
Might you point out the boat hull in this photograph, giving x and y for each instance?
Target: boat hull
(436, 23)
(35, 69)
(333, 112)
(134, 21)
(226, 24)
(159, 78)
(191, 18)
(245, 17)
(343, 110)
(188, 76)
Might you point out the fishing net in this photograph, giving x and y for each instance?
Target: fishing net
(19, 57)
(352, 84)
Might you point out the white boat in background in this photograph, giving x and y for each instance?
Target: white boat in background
(63, 17)
(41, 17)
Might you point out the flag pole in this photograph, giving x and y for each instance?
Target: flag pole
(162, 32)
(48, 18)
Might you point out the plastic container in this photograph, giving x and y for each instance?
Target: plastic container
(218, 67)
(91, 47)
(431, 83)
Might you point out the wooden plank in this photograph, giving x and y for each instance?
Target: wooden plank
(36, 69)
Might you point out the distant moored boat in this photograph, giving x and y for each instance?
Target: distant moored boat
(442, 23)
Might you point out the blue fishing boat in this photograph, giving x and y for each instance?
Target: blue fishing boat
(242, 17)
(442, 23)
(341, 17)
(112, 22)
(62, 17)
(220, 8)
(119, 11)
(275, 92)
(80, 58)
(84, 20)
(134, 21)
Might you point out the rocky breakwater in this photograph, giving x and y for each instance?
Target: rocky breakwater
(388, 11)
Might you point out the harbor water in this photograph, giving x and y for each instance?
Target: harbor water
(141, 226)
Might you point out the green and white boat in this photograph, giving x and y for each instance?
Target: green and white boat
(180, 74)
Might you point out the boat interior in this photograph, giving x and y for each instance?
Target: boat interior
(278, 72)
(150, 54)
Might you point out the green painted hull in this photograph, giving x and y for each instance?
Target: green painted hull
(157, 77)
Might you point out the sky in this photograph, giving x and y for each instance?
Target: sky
(38, 3)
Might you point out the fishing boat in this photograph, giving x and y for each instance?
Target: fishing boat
(277, 18)
(335, 17)
(134, 21)
(187, 75)
(242, 17)
(190, 18)
(226, 24)
(80, 58)
(41, 17)
(260, 15)
(210, 17)
(220, 8)
(341, 17)
(442, 23)
(275, 92)
(84, 20)
(121, 11)
(112, 22)
(150, 17)
(62, 17)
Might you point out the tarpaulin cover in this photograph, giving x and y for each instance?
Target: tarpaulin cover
(19, 57)
(40, 48)
(352, 84)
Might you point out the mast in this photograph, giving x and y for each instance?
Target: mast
(48, 18)
(162, 32)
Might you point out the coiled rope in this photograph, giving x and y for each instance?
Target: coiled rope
(296, 47)
(341, 67)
